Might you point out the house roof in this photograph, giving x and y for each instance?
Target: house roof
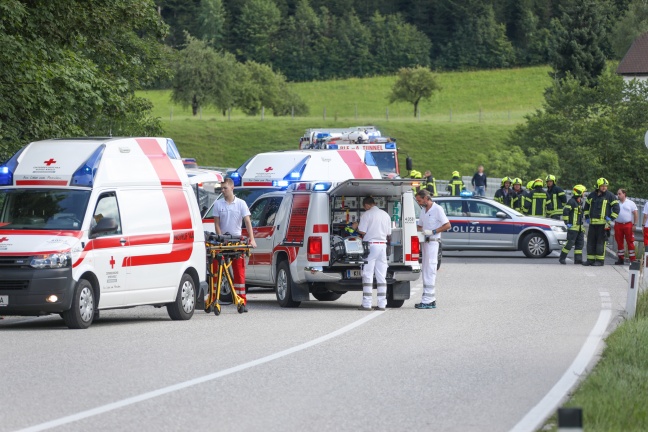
(635, 62)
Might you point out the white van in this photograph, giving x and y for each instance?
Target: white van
(98, 223)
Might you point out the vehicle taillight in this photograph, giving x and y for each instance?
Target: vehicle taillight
(416, 248)
(314, 248)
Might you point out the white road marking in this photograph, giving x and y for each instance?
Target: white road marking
(183, 385)
(547, 406)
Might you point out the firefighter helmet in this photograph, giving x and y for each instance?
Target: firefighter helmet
(551, 177)
(530, 184)
(517, 180)
(506, 179)
(538, 183)
(415, 174)
(455, 174)
(601, 182)
(579, 190)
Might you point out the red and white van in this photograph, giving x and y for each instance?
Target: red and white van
(98, 223)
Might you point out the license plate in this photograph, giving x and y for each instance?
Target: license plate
(4, 300)
(354, 274)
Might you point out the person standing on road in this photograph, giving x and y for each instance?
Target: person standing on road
(601, 208)
(229, 215)
(375, 228)
(624, 227)
(429, 183)
(456, 185)
(479, 181)
(505, 194)
(518, 194)
(432, 221)
(573, 218)
(556, 198)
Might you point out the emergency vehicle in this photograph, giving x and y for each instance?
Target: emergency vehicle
(368, 138)
(88, 224)
(301, 248)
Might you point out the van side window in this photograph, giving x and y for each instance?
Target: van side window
(107, 208)
(256, 212)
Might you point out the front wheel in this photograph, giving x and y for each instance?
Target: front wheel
(284, 286)
(81, 314)
(185, 303)
(326, 295)
(534, 245)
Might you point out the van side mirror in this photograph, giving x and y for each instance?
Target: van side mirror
(409, 164)
(105, 225)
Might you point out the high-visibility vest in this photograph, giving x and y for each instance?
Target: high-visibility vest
(573, 214)
(597, 207)
(536, 202)
(429, 183)
(505, 198)
(455, 186)
(557, 200)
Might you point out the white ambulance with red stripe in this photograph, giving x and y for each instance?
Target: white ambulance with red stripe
(88, 224)
(301, 245)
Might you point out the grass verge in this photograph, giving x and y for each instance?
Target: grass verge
(613, 396)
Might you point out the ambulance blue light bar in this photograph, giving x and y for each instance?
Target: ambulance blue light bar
(280, 183)
(332, 147)
(7, 170)
(236, 178)
(322, 186)
(85, 174)
(391, 146)
(297, 171)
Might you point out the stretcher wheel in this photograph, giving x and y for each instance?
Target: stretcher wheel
(217, 310)
(209, 309)
(240, 308)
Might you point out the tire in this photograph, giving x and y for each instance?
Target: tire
(185, 303)
(534, 245)
(81, 314)
(326, 295)
(391, 303)
(284, 286)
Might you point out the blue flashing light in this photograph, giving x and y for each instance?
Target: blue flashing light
(466, 194)
(391, 146)
(85, 174)
(280, 183)
(236, 177)
(298, 170)
(172, 150)
(332, 146)
(322, 186)
(7, 170)
(322, 135)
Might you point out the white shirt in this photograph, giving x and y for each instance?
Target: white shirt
(645, 211)
(231, 215)
(625, 212)
(432, 219)
(376, 224)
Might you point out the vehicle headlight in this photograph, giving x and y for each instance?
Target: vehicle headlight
(55, 260)
(559, 228)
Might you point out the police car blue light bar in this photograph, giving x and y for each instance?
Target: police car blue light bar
(466, 193)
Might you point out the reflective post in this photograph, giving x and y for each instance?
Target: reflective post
(570, 420)
(633, 285)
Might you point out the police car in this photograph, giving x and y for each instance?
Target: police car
(483, 224)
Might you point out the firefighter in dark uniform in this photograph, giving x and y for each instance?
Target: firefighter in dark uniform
(416, 175)
(456, 184)
(601, 208)
(536, 200)
(518, 193)
(526, 196)
(557, 198)
(505, 194)
(573, 218)
(429, 183)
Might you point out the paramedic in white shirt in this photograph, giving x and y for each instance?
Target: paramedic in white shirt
(229, 215)
(432, 221)
(375, 228)
(624, 227)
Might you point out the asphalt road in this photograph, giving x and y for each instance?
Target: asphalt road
(505, 331)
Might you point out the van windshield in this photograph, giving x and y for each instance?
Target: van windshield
(42, 209)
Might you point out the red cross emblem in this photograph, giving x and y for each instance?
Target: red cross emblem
(3, 239)
(49, 162)
(112, 262)
(268, 169)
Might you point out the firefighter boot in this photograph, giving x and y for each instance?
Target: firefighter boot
(563, 255)
(578, 259)
(588, 262)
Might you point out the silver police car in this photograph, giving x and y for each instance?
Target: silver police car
(483, 224)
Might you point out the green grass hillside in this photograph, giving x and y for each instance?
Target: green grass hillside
(450, 134)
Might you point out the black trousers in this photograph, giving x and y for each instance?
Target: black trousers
(575, 238)
(597, 236)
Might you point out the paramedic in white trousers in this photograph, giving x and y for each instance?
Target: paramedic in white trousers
(375, 228)
(432, 221)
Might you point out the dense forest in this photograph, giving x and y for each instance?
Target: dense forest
(324, 39)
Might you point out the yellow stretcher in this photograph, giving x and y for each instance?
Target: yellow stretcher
(221, 250)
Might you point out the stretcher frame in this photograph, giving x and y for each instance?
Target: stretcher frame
(220, 252)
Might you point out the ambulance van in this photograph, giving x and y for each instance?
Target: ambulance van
(302, 247)
(88, 224)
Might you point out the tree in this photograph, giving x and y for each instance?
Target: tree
(256, 30)
(412, 85)
(633, 24)
(205, 77)
(71, 69)
(578, 42)
(211, 23)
